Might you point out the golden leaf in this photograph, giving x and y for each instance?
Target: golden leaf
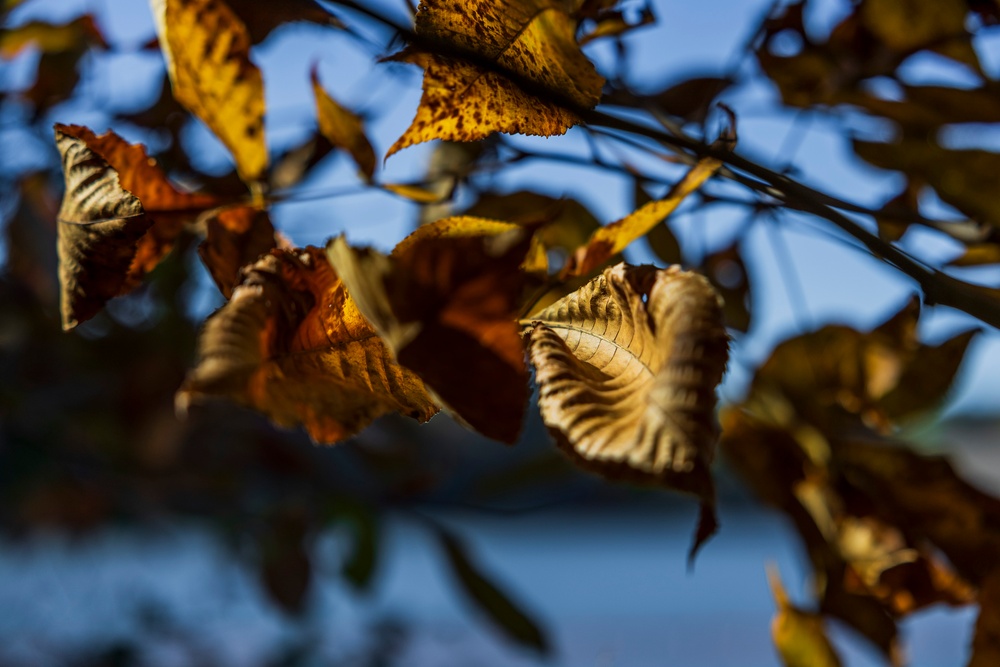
(207, 49)
(798, 635)
(611, 239)
(445, 301)
(119, 217)
(292, 344)
(51, 38)
(627, 385)
(343, 128)
(493, 66)
(234, 237)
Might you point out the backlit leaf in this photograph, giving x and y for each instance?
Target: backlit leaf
(207, 49)
(342, 128)
(235, 237)
(493, 66)
(445, 302)
(799, 636)
(627, 384)
(611, 239)
(119, 217)
(51, 37)
(292, 344)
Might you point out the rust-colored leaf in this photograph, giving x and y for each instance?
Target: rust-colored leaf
(292, 344)
(207, 49)
(986, 641)
(342, 128)
(446, 301)
(235, 237)
(627, 384)
(493, 66)
(119, 217)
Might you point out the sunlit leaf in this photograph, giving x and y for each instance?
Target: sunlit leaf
(292, 344)
(938, 25)
(627, 383)
(342, 128)
(611, 239)
(208, 58)
(235, 237)
(799, 636)
(415, 192)
(616, 24)
(497, 67)
(445, 302)
(488, 598)
(51, 37)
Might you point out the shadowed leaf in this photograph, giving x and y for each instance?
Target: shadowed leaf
(497, 67)
(445, 302)
(488, 598)
(728, 274)
(292, 344)
(627, 384)
(207, 49)
(234, 237)
(986, 641)
(261, 18)
(798, 635)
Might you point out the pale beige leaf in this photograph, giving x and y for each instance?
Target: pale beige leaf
(627, 384)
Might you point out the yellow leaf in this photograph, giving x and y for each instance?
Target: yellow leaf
(119, 217)
(445, 302)
(627, 384)
(292, 344)
(492, 66)
(49, 37)
(415, 193)
(798, 635)
(611, 239)
(207, 49)
(342, 128)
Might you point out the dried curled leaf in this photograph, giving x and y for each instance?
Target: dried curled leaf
(119, 217)
(627, 385)
(492, 66)
(207, 49)
(342, 128)
(235, 237)
(292, 344)
(445, 302)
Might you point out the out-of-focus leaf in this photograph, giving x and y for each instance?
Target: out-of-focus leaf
(986, 641)
(728, 274)
(978, 255)
(661, 238)
(260, 18)
(119, 217)
(285, 568)
(964, 178)
(488, 68)
(799, 636)
(415, 193)
(235, 237)
(905, 27)
(616, 24)
(612, 239)
(207, 49)
(692, 98)
(359, 567)
(343, 128)
(292, 344)
(514, 622)
(445, 301)
(295, 164)
(79, 33)
(626, 383)
(885, 376)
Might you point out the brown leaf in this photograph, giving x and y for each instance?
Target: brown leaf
(119, 217)
(446, 302)
(728, 274)
(207, 49)
(261, 18)
(292, 344)
(627, 384)
(513, 67)
(986, 641)
(235, 237)
(343, 128)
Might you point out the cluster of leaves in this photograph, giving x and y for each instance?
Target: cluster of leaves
(626, 359)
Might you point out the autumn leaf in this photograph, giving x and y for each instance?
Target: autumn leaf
(119, 217)
(234, 237)
(292, 344)
(207, 49)
(986, 641)
(611, 239)
(491, 66)
(261, 18)
(728, 273)
(445, 302)
(343, 128)
(627, 383)
(51, 37)
(799, 636)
